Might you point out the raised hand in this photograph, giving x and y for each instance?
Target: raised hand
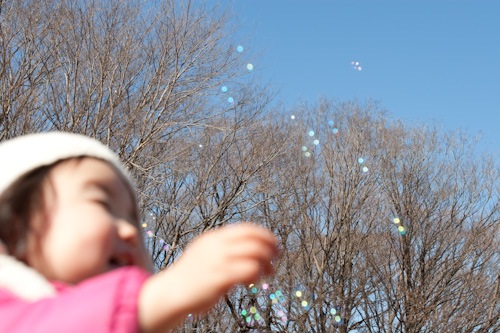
(220, 259)
(211, 265)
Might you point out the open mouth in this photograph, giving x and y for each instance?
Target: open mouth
(120, 261)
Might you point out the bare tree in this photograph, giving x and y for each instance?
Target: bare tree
(443, 200)
(384, 227)
(22, 66)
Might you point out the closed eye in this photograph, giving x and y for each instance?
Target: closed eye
(104, 203)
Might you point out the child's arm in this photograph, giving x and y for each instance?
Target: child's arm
(210, 266)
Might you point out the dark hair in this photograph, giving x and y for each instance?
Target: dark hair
(18, 203)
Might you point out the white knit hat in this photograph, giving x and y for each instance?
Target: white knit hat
(23, 154)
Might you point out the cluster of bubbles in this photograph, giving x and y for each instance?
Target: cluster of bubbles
(277, 298)
(361, 160)
(307, 304)
(230, 99)
(251, 315)
(356, 65)
(240, 49)
(151, 234)
(315, 142)
(401, 228)
(335, 130)
(312, 134)
(249, 67)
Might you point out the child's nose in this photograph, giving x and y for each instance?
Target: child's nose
(128, 232)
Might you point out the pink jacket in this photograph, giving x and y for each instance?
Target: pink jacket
(103, 304)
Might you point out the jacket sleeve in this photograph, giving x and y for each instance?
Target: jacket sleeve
(106, 303)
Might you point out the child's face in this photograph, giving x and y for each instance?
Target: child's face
(89, 224)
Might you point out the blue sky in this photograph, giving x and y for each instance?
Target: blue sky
(424, 60)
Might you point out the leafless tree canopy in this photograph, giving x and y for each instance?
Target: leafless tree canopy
(384, 227)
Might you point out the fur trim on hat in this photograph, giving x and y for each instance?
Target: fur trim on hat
(22, 280)
(25, 153)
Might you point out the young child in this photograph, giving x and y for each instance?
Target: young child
(73, 256)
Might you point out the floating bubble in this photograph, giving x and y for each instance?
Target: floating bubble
(304, 303)
(330, 122)
(333, 311)
(239, 48)
(356, 65)
(360, 160)
(243, 312)
(304, 148)
(298, 293)
(396, 220)
(144, 225)
(338, 319)
(281, 313)
(316, 142)
(272, 296)
(365, 169)
(265, 286)
(335, 130)
(279, 293)
(256, 316)
(250, 67)
(230, 100)
(401, 228)
(311, 133)
(150, 233)
(292, 117)
(254, 290)
(284, 319)
(253, 310)
(224, 89)
(307, 154)
(248, 319)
